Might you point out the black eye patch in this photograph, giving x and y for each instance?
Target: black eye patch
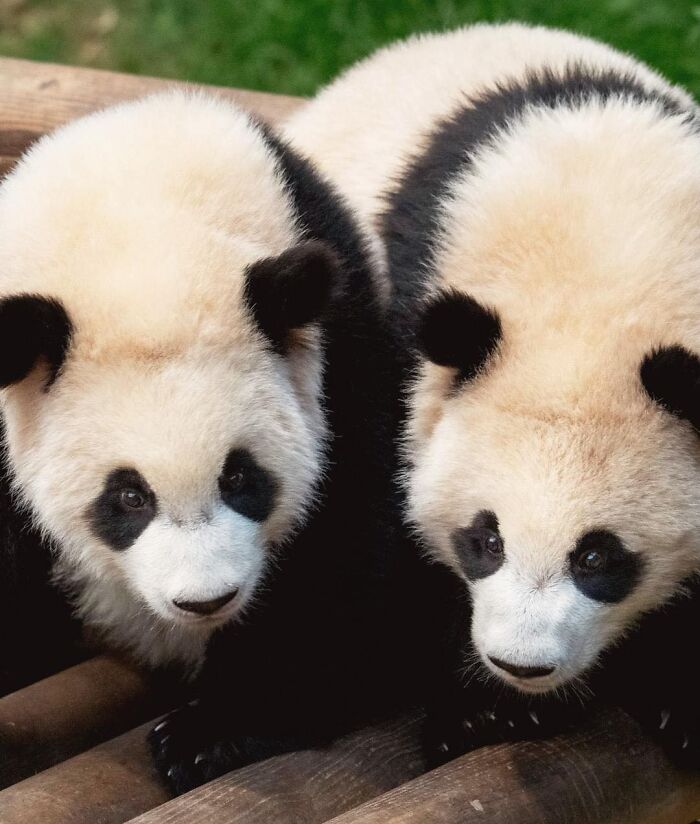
(602, 568)
(479, 546)
(246, 487)
(123, 510)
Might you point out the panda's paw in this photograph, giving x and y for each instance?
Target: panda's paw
(678, 732)
(188, 752)
(446, 740)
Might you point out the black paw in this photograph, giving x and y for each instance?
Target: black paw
(678, 732)
(446, 739)
(188, 751)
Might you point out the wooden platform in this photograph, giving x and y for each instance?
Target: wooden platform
(72, 748)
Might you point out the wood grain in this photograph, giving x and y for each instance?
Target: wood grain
(37, 97)
(67, 713)
(305, 787)
(108, 784)
(608, 773)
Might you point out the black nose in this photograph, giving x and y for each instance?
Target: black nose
(207, 607)
(521, 671)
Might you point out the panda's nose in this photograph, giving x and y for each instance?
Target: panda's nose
(207, 607)
(520, 671)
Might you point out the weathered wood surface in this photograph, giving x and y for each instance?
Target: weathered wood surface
(37, 97)
(67, 713)
(608, 773)
(304, 788)
(108, 784)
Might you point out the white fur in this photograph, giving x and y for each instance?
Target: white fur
(581, 228)
(141, 220)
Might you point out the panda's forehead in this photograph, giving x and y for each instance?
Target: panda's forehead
(550, 480)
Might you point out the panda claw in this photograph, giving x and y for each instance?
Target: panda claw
(534, 717)
(684, 745)
(161, 726)
(199, 758)
(665, 715)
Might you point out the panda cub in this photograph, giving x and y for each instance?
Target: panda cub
(196, 388)
(539, 197)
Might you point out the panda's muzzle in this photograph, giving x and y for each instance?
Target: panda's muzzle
(207, 607)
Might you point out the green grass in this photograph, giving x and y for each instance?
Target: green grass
(294, 46)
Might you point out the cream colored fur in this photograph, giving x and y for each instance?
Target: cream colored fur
(141, 220)
(582, 230)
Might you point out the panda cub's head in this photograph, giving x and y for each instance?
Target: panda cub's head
(160, 353)
(553, 436)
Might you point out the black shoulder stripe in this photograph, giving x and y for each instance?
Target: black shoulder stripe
(411, 218)
(324, 215)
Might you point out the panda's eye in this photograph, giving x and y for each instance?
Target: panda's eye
(246, 486)
(492, 543)
(235, 481)
(591, 561)
(133, 499)
(479, 548)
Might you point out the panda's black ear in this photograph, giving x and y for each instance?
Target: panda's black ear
(455, 330)
(292, 290)
(671, 377)
(32, 328)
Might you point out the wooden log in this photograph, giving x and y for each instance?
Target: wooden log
(106, 785)
(607, 773)
(304, 787)
(67, 713)
(37, 97)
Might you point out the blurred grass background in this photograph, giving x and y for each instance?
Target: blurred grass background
(294, 46)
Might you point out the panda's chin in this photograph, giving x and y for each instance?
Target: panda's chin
(532, 686)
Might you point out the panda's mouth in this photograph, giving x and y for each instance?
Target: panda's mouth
(531, 678)
(206, 613)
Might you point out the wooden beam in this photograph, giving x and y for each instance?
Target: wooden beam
(608, 773)
(37, 97)
(67, 713)
(106, 785)
(304, 787)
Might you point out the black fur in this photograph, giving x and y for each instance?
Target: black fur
(329, 643)
(653, 676)
(291, 290)
(479, 546)
(618, 571)
(650, 671)
(246, 487)
(671, 377)
(117, 525)
(39, 637)
(458, 332)
(32, 328)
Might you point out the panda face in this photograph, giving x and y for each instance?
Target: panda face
(175, 481)
(564, 530)
(552, 447)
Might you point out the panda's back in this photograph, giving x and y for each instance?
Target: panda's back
(365, 127)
